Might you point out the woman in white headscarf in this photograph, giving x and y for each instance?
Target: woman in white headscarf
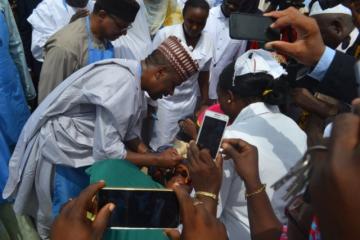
(249, 92)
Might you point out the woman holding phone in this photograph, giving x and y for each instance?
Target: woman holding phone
(249, 93)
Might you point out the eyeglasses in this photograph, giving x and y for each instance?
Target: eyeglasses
(120, 25)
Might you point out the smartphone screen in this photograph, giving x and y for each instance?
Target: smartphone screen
(255, 27)
(141, 208)
(211, 134)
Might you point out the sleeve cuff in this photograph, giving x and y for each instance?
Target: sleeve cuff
(323, 65)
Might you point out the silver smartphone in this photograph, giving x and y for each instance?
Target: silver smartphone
(212, 131)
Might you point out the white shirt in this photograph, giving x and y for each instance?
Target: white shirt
(225, 51)
(136, 44)
(46, 19)
(202, 53)
(353, 37)
(280, 142)
(85, 119)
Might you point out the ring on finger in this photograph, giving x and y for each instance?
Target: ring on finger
(197, 202)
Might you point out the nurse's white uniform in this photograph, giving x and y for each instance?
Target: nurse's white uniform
(182, 104)
(225, 50)
(46, 19)
(280, 143)
(85, 119)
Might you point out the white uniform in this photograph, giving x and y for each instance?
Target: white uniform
(46, 19)
(171, 109)
(225, 51)
(280, 142)
(85, 119)
(136, 44)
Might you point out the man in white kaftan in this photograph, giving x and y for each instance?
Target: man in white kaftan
(78, 123)
(91, 116)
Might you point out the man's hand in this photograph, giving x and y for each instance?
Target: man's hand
(198, 223)
(309, 46)
(72, 222)
(335, 181)
(303, 98)
(189, 127)
(168, 159)
(205, 173)
(245, 157)
(79, 14)
(307, 101)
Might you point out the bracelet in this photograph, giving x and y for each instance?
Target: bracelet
(206, 194)
(260, 190)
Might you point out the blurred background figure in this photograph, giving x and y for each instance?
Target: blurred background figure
(337, 27)
(14, 83)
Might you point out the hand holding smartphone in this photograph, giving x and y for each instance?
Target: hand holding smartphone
(212, 131)
(141, 208)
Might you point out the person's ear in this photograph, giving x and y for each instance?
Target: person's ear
(102, 14)
(337, 28)
(230, 97)
(160, 72)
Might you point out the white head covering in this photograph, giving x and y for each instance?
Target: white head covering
(317, 10)
(257, 61)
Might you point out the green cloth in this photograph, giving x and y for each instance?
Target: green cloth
(14, 227)
(121, 173)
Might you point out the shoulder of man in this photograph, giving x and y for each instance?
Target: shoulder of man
(340, 81)
(69, 37)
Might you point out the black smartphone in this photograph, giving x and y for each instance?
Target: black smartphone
(244, 26)
(212, 131)
(141, 208)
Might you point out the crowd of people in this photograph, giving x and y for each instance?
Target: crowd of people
(113, 93)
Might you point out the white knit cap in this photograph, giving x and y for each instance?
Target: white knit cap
(258, 61)
(317, 10)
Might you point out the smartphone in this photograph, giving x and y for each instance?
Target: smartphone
(244, 26)
(141, 208)
(212, 131)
